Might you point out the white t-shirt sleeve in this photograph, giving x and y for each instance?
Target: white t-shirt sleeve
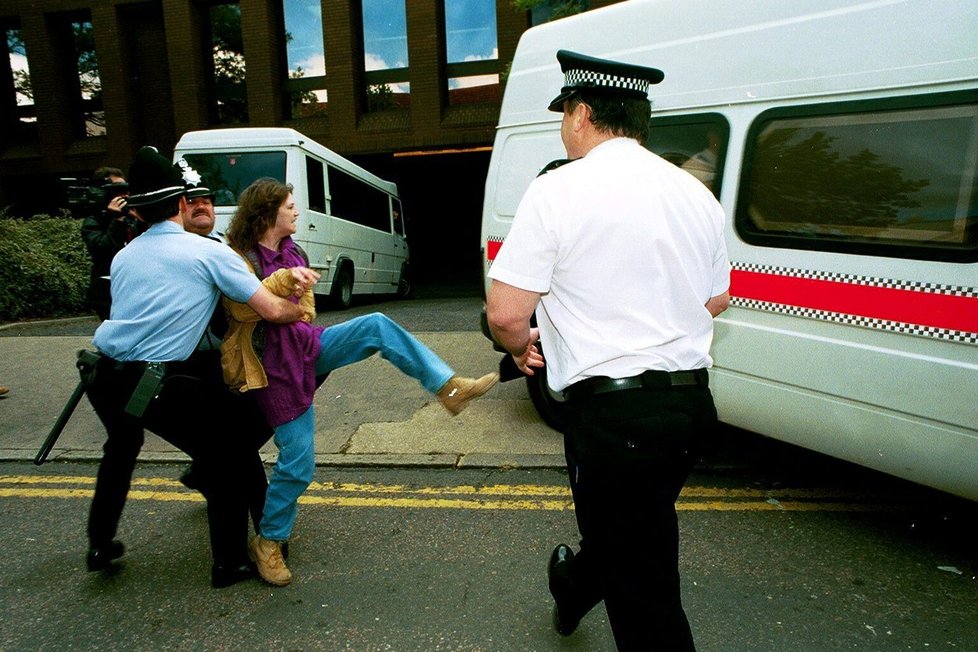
(721, 261)
(527, 256)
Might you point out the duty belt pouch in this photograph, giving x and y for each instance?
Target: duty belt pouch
(86, 363)
(147, 389)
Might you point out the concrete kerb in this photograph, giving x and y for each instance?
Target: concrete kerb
(331, 460)
(44, 322)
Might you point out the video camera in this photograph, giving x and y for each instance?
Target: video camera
(87, 198)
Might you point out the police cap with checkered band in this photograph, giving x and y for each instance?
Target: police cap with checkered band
(584, 73)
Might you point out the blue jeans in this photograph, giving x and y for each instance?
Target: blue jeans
(342, 345)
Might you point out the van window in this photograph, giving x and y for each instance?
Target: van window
(696, 143)
(894, 179)
(315, 185)
(228, 174)
(398, 216)
(355, 201)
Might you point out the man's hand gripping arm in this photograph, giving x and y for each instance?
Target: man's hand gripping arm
(508, 310)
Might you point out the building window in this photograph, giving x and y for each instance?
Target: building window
(89, 79)
(305, 56)
(21, 115)
(229, 103)
(472, 53)
(385, 55)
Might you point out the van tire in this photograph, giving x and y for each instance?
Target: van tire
(341, 295)
(549, 406)
(405, 285)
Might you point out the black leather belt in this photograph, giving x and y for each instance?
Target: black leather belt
(646, 380)
(119, 365)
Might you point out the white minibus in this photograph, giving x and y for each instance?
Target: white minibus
(351, 224)
(841, 138)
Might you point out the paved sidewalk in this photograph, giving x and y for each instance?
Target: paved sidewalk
(366, 414)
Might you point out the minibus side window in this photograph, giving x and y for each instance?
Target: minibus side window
(315, 185)
(398, 216)
(696, 143)
(354, 200)
(868, 178)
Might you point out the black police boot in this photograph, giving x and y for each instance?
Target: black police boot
(565, 617)
(225, 575)
(100, 556)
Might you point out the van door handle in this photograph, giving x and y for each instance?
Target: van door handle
(312, 227)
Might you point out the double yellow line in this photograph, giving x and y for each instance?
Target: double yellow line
(518, 497)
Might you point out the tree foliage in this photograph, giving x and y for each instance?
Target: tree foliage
(22, 78)
(558, 8)
(806, 179)
(227, 47)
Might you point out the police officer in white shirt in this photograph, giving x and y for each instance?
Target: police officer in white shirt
(621, 256)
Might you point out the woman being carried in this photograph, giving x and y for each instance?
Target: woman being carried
(292, 356)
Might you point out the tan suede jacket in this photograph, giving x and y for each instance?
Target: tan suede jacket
(242, 367)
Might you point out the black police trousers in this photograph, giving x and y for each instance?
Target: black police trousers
(198, 414)
(628, 455)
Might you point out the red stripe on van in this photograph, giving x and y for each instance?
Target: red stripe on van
(492, 248)
(908, 306)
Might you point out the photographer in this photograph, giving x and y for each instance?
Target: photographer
(107, 228)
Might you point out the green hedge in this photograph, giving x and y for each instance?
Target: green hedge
(44, 267)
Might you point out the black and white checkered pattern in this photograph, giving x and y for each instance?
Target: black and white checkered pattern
(589, 78)
(953, 290)
(857, 320)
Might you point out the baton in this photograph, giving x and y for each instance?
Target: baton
(59, 425)
(86, 359)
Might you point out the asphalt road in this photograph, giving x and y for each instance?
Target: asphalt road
(448, 559)
(782, 549)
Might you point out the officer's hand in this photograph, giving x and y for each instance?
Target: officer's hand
(304, 278)
(530, 358)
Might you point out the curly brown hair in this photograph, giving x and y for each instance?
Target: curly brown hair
(257, 211)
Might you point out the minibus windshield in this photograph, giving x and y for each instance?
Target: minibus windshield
(228, 173)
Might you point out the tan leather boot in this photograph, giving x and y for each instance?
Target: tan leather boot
(267, 555)
(458, 392)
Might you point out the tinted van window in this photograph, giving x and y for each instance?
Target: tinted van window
(355, 201)
(696, 143)
(865, 178)
(315, 185)
(228, 174)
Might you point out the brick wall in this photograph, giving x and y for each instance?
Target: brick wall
(155, 62)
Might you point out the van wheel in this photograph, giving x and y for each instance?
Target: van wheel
(342, 294)
(405, 286)
(549, 405)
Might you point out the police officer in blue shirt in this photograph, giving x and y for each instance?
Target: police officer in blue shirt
(165, 286)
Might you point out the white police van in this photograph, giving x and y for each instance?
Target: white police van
(351, 224)
(841, 138)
